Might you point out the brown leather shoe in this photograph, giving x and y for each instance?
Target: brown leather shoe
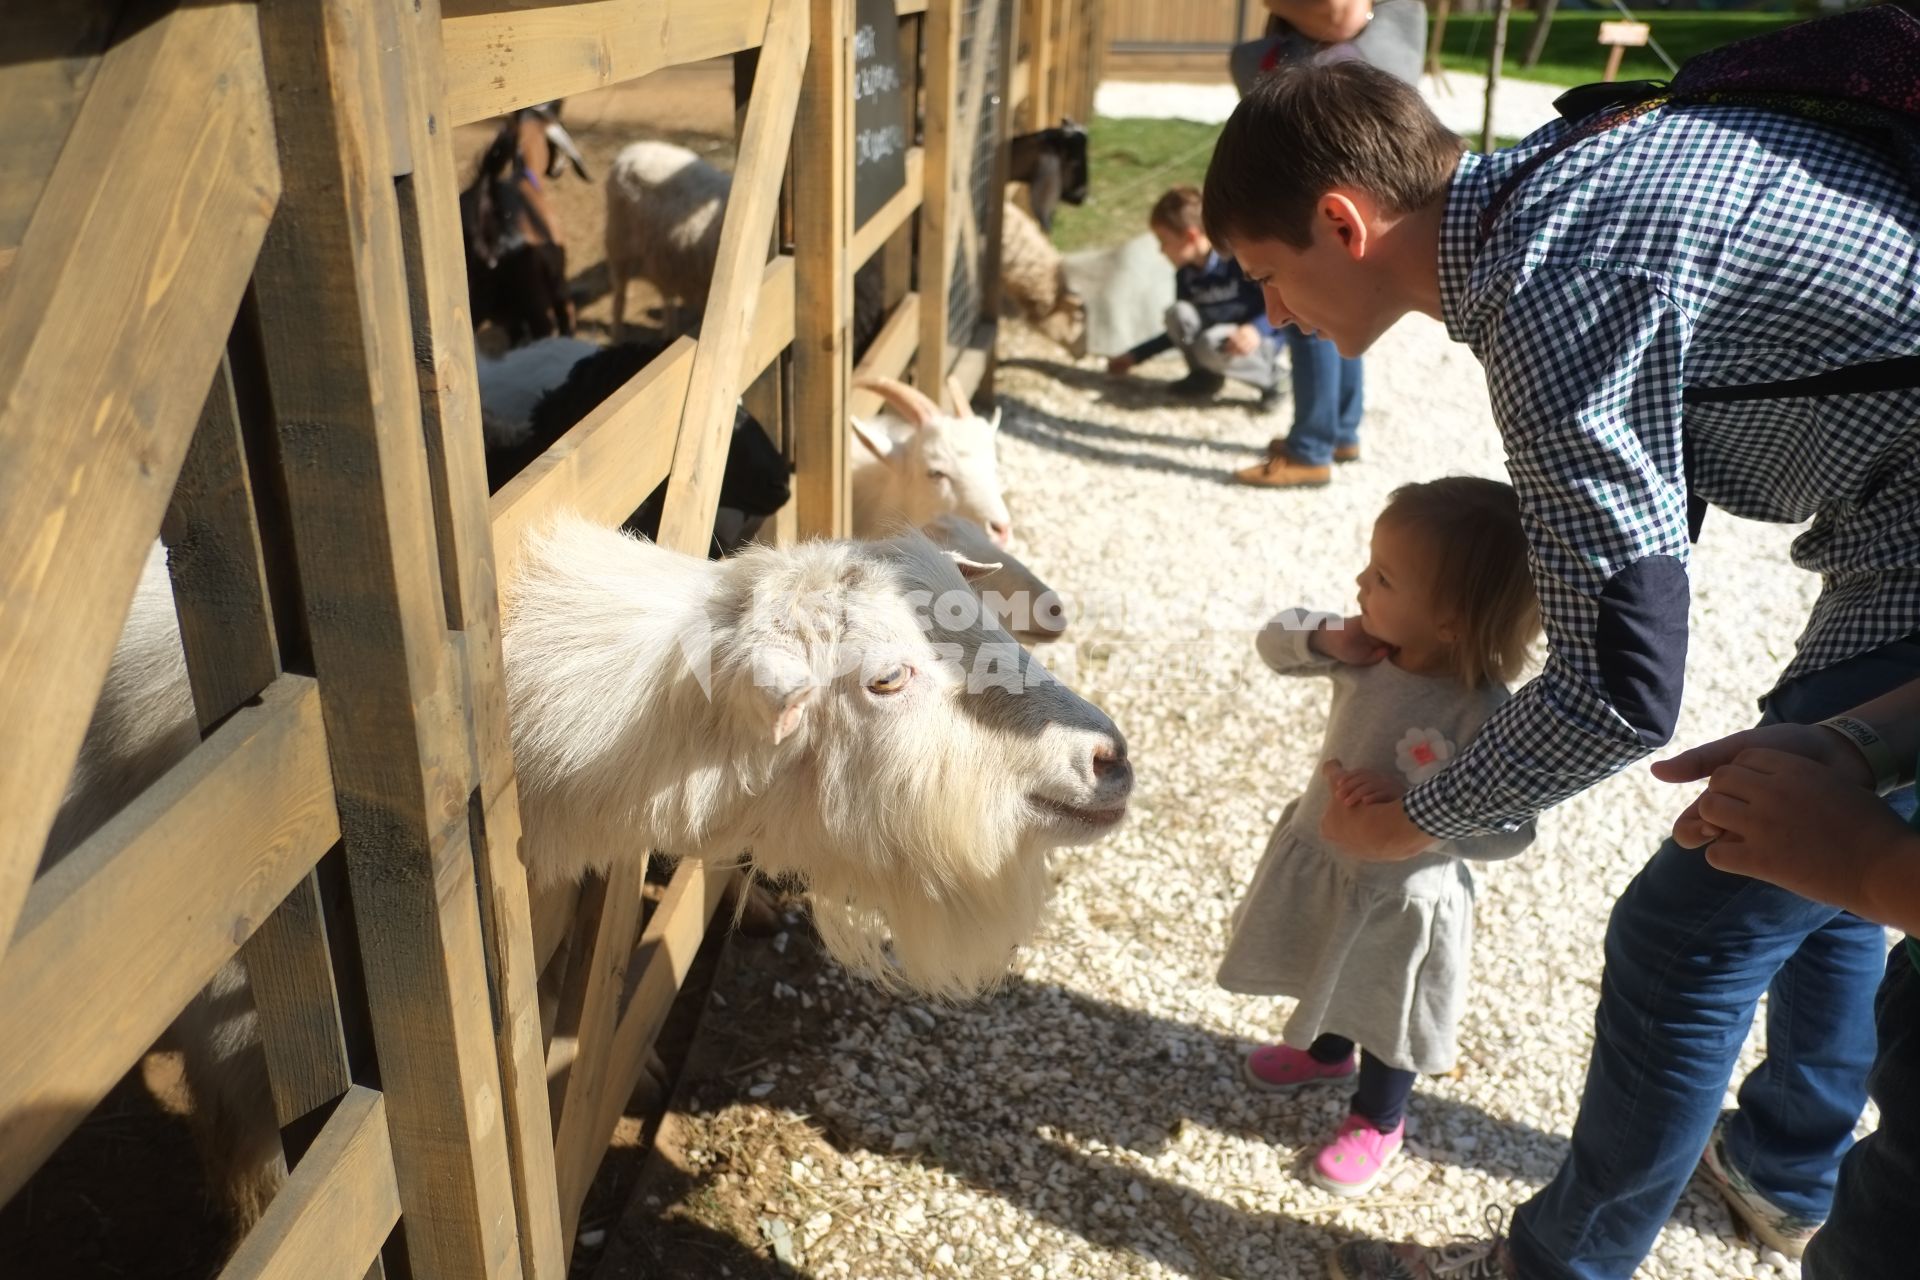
(1284, 473)
(1347, 453)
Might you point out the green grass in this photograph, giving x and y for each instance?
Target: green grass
(1133, 162)
(1574, 54)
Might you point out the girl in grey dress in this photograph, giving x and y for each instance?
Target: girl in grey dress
(1376, 952)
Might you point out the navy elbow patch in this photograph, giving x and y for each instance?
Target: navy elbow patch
(1641, 638)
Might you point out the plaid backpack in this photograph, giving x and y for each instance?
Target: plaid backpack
(1858, 70)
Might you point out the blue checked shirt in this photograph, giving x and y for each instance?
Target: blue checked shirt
(1693, 247)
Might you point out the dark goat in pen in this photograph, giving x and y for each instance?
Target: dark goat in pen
(1053, 164)
(516, 254)
(754, 485)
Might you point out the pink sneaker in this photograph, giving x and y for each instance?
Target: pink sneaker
(1359, 1154)
(1277, 1068)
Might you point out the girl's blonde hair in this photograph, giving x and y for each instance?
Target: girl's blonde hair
(1481, 583)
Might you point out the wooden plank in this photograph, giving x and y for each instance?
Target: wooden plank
(990, 291)
(938, 217)
(584, 1033)
(905, 7)
(665, 954)
(218, 572)
(1036, 27)
(111, 322)
(449, 406)
(892, 215)
(706, 422)
(337, 1209)
(499, 58)
(553, 913)
(53, 53)
(1018, 91)
(338, 338)
(966, 135)
(823, 301)
(184, 873)
(888, 355)
(612, 458)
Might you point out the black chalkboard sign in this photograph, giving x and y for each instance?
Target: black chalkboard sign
(879, 108)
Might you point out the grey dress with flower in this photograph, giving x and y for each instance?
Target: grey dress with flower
(1374, 951)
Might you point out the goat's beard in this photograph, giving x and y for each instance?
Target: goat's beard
(953, 941)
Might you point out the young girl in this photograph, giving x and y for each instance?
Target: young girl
(1376, 952)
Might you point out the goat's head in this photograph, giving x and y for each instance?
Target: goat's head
(922, 762)
(1016, 597)
(1066, 324)
(942, 464)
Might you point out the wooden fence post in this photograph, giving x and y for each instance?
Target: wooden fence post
(823, 310)
(939, 224)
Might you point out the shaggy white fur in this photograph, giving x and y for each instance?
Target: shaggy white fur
(665, 206)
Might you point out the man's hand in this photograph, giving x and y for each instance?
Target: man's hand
(1809, 741)
(1241, 342)
(1349, 643)
(1813, 828)
(1120, 366)
(1370, 832)
(1354, 787)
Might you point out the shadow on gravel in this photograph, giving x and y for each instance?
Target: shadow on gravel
(1101, 442)
(1003, 1094)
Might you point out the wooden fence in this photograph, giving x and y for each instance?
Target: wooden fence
(233, 312)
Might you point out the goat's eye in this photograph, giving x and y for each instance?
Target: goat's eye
(892, 681)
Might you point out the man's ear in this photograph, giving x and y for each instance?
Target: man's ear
(1349, 217)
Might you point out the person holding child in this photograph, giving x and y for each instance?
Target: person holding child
(1376, 953)
(1708, 303)
(1218, 320)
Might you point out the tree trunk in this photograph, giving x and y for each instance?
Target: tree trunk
(1542, 23)
(1502, 9)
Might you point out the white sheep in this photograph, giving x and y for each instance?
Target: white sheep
(1023, 604)
(664, 210)
(929, 464)
(513, 383)
(1033, 278)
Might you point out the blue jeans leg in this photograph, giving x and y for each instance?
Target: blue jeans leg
(1689, 951)
(1328, 398)
(1869, 1234)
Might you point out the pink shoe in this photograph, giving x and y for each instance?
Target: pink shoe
(1359, 1154)
(1277, 1068)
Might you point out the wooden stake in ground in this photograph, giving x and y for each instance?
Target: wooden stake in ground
(1501, 10)
(1537, 43)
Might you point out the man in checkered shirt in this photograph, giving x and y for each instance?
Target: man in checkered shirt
(1692, 248)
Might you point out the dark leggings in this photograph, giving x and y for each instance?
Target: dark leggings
(1381, 1098)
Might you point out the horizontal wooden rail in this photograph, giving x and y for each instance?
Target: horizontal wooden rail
(615, 456)
(888, 355)
(906, 7)
(118, 936)
(501, 59)
(337, 1209)
(886, 220)
(664, 955)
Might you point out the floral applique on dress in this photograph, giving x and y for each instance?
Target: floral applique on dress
(1421, 753)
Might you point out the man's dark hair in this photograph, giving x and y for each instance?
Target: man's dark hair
(1305, 130)
(1178, 210)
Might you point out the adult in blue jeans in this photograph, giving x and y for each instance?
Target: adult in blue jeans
(1634, 339)
(1797, 808)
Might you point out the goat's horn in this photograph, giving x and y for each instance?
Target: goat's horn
(962, 402)
(909, 402)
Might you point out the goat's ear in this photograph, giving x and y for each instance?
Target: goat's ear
(877, 441)
(972, 570)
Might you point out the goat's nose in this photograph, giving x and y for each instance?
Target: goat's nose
(1000, 531)
(1110, 761)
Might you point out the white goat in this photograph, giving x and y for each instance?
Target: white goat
(1033, 278)
(837, 711)
(664, 210)
(1023, 604)
(928, 465)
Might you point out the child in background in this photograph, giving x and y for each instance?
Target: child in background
(1218, 320)
(1376, 952)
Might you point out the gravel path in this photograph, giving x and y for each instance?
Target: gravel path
(1087, 1121)
(1458, 98)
